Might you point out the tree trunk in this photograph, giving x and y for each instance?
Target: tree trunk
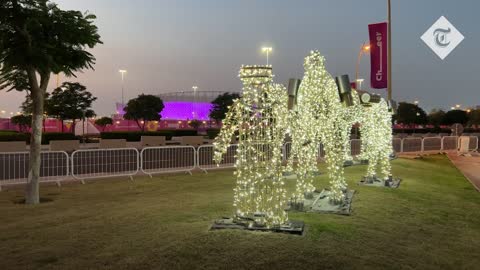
(32, 195)
(74, 124)
(138, 124)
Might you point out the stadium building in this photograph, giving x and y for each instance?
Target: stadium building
(185, 105)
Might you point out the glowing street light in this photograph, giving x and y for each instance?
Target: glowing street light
(452, 108)
(267, 50)
(123, 72)
(457, 106)
(416, 102)
(365, 48)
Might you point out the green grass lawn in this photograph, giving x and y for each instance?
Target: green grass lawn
(431, 222)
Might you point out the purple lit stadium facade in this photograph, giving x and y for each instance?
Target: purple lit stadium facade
(185, 105)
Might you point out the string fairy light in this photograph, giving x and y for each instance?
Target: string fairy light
(376, 131)
(320, 117)
(260, 118)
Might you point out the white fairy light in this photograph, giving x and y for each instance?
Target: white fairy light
(376, 130)
(259, 118)
(320, 117)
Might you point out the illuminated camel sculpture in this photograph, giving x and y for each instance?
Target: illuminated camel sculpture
(325, 112)
(320, 116)
(376, 131)
(259, 118)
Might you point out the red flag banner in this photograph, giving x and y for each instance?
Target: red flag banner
(378, 54)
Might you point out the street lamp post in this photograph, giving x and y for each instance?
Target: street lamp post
(123, 72)
(389, 51)
(360, 81)
(195, 101)
(267, 50)
(365, 48)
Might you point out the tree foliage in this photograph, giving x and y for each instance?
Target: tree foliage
(37, 39)
(410, 114)
(104, 122)
(455, 116)
(70, 101)
(144, 108)
(221, 105)
(436, 117)
(27, 104)
(474, 117)
(195, 124)
(22, 121)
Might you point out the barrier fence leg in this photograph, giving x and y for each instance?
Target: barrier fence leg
(131, 178)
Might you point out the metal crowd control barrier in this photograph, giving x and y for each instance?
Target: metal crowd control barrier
(473, 143)
(54, 167)
(286, 151)
(397, 145)
(205, 158)
(321, 152)
(102, 163)
(450, 143)
(167, 159)
(97, 163)
(412, 145)
(355, 147)
(432, 144)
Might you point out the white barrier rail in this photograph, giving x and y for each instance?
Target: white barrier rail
(397, 144)
(432, 144)
(97, 163)
(449, 143)
(412, 145)
(205, 158)
(321, 152)
(167, 159)
(54, 167)
(102, 163)
(286, 151)
(473, 143)
(355, 147)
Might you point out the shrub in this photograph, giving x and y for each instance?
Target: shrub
(6, 136)
(46, 137)
(54, 136)
(213, 133)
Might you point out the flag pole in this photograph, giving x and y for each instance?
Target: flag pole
(389, 46)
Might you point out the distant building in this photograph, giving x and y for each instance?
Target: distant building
(184, 105)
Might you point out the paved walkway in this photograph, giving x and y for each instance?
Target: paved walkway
(469, 166)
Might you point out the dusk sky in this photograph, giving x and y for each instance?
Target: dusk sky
(172, 45)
